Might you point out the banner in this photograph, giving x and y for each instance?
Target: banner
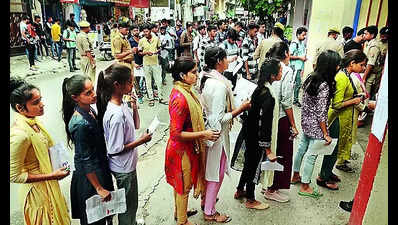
(139, 3)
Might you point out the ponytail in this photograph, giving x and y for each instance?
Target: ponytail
(114, 73)
(104, 93)
(71, 86)
(270, 66)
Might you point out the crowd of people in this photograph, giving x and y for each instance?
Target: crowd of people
(202, 112)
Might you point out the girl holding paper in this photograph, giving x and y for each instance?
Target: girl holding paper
(218, 104)
(287, 130)
(186, 151)
(319, 89)
(119, 123)
(40, 194)
(92, 175)
(344, 111)
(262, 119)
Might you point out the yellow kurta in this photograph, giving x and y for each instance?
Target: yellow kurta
(344, 92)
(42, 202)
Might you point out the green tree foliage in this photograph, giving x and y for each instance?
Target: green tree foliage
(262, 8)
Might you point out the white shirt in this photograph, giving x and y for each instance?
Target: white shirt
(214, 103)
(283, 89)
(22, 28)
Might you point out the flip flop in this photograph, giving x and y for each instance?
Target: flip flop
(314, 194)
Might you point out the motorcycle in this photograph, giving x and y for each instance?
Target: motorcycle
(106, 51)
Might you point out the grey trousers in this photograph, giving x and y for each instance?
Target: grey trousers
(128, 181)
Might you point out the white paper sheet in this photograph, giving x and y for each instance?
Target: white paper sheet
(238, 66)
(61, 156)
(154, 124)
(318, 147)
(243, 91)
(380, 116)
(139, 72)
(268, 165)
(96, 209)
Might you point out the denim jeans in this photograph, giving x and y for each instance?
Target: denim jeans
(301, 156)
(58, 50)
(128, 181)
(297, 85)
(71, 57)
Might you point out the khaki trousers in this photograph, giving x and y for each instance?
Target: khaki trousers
(181, 201)
(87, 68)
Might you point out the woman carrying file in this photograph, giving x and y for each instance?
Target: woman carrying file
(319, 89)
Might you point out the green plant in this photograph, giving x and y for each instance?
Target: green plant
(288, 33)
(262, 8)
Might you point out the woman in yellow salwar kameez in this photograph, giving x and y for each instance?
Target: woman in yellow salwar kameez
(342, 118)
(40, 194)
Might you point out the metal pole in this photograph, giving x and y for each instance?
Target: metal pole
(44, 11)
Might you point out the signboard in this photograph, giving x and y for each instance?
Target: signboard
(239, 11)
(199, 11)
(158, 13)
(380, 116)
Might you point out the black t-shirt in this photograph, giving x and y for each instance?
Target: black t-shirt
(352, 45)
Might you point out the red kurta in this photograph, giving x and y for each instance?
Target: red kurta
(180, 120)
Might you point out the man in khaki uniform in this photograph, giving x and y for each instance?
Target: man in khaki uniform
(329, 44)
(121, 48)
(122, 51)
(266, 44)
(84, 46)
(376, 51)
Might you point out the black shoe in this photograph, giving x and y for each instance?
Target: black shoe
(72, 70)
(347, 206)
(345, 168)
(75, 68)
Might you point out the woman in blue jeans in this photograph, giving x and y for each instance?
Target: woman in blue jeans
(319, 89)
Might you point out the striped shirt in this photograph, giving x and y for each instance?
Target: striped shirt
(248, 49)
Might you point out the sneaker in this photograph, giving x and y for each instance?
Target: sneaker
(276, 196)
(33, 68)
(36, 67)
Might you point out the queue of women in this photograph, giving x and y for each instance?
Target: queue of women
(197, 155)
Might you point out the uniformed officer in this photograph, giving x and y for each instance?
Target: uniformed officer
(329, 44)
(121, 48)
(85, 48)
(376, 51)
(122, 51)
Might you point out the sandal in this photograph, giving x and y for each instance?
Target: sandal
(334, 178)
(151, 103)
(239, 194)
(217, 217)
(315, 194)
(190, 213)
(258, 205)
(293, 181)
(324, 183)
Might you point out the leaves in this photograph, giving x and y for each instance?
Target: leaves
(263, 7)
